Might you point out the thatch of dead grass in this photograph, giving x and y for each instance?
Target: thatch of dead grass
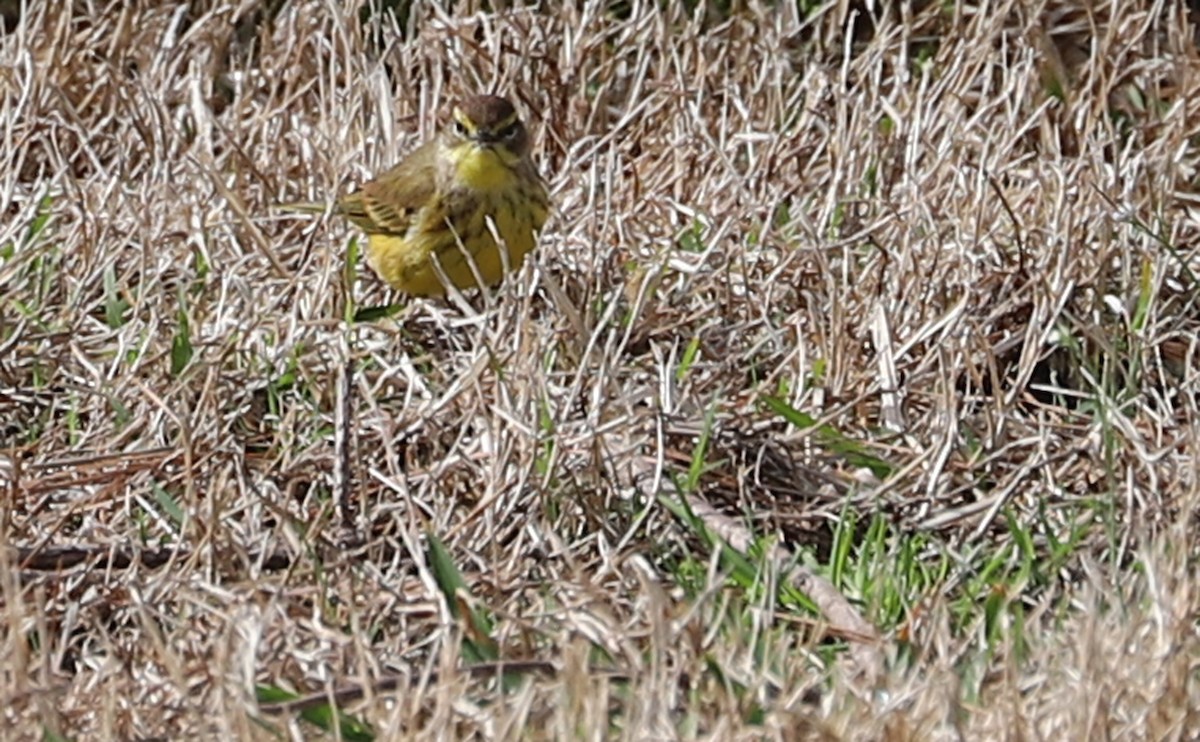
(899, 303)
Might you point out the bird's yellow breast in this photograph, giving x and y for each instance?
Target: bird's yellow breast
(481, 168)
(467, 255)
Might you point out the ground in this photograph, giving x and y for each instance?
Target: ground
(851, 393)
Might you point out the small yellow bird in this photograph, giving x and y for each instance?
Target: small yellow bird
(442, 208)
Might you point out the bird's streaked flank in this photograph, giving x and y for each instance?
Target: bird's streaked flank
(440, 210)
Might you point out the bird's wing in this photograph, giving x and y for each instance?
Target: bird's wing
(389, 203)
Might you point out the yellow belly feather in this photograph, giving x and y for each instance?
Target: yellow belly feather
(406, 262)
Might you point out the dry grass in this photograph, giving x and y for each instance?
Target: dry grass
(960, 241)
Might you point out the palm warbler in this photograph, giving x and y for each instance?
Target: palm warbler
(441, 209)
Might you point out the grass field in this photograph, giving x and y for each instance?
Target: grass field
(852, 393)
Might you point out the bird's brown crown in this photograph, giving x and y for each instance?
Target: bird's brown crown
(486, 111)
(491, 120)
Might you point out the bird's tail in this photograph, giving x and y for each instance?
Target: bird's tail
(307, 207)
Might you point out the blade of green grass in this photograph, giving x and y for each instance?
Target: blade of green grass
(324, 717)
(478, 645)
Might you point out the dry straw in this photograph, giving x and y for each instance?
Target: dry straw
(933, 265)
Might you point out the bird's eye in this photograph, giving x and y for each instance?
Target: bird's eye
(460, 128)
(509, 132)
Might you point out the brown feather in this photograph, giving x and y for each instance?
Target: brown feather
(389, 202)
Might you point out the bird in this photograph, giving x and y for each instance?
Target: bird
(434, 218)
